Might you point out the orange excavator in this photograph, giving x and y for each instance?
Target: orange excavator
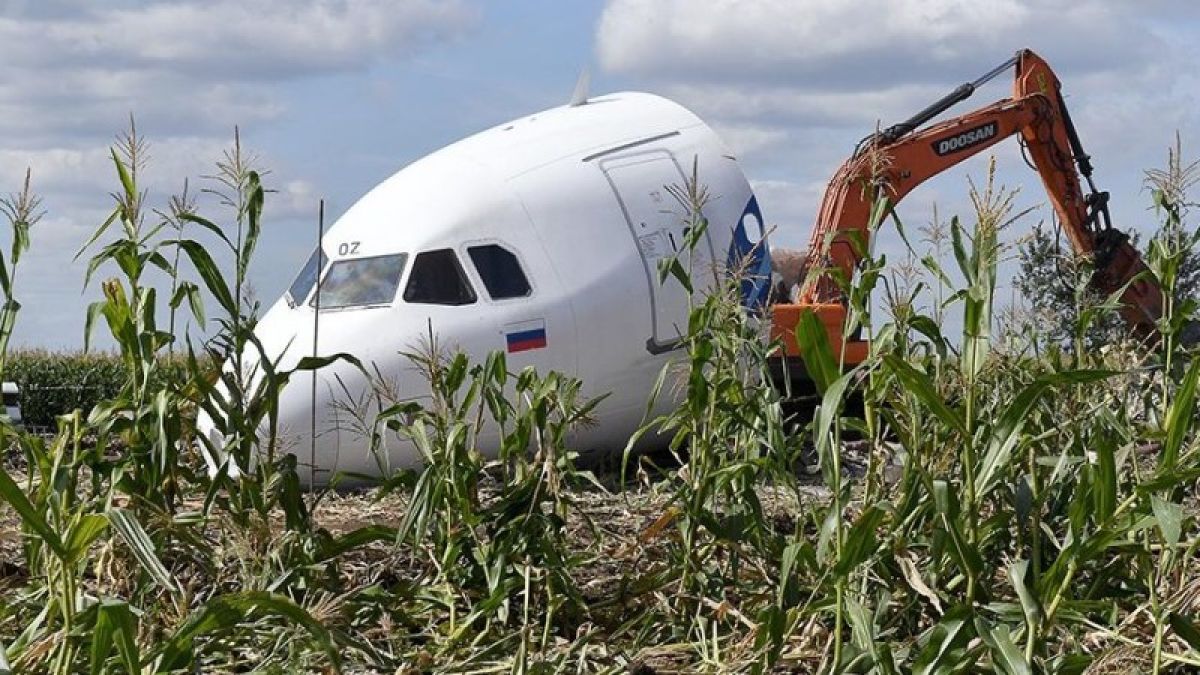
(892, 162)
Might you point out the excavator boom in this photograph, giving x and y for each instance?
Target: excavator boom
(893, 162)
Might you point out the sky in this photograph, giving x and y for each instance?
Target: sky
(333, 96)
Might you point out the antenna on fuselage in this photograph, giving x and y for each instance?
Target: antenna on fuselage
(580, 95)
(312, 450)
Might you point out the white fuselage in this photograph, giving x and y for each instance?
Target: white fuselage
(572, 199)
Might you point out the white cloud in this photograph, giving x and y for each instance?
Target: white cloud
(71, 71)
(793, 85)
(789, 37)
(194, 65)
(229, 38)
(843, 44)
(796, 105)
(747, 139)
(797, 84)
(89, 166)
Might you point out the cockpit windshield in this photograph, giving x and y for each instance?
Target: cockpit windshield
(307, 278)
(361, 281)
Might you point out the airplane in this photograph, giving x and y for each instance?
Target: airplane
(540, 237)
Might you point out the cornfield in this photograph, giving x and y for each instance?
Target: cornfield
(978, 504)
(54, 382)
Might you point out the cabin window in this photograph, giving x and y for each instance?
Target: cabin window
(307, 278)
(438, 279)
(361, 281)
(500, 271)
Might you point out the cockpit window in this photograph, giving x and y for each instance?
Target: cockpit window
(437, 279)
(500, 271)
(307, 278)
(361, 281)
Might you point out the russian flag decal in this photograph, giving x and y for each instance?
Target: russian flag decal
(526, 335)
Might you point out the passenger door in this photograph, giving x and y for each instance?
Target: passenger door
(658, 224)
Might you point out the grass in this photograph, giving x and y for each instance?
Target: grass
(989, 505)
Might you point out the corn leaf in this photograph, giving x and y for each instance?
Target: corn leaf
(1006, 433)
(1170, 519)
(913, 576)
(960, 251)
(831, 405)
(946, 502)
(355, 539)
(1185, 629)
(672, 267)
(115, 624)
(208, 225)
(1180, 417)
(1029, 604)
(864, 634)
(127, 525)
(1006, 657)
(20, 242)
(229, 611)
(83, 533)
(860, 541)
(816, 351)
(213, 279)
(126, 178)
(15, 496)
(254, 207)
(921, 385)
(1104, 491)
(945, 644)
(5, 281)
(112, 218)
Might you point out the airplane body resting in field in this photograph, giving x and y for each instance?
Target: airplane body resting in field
(540, 237)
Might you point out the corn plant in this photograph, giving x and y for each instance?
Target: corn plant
(179, 207)
(22, 210)
(1168, 251)
(56, 508)
(488, 551)
(145, 419)
(66, 505)
(254, 477)
(728, 436)
(1036, 488)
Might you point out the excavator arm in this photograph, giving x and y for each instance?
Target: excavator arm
(895, 161)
